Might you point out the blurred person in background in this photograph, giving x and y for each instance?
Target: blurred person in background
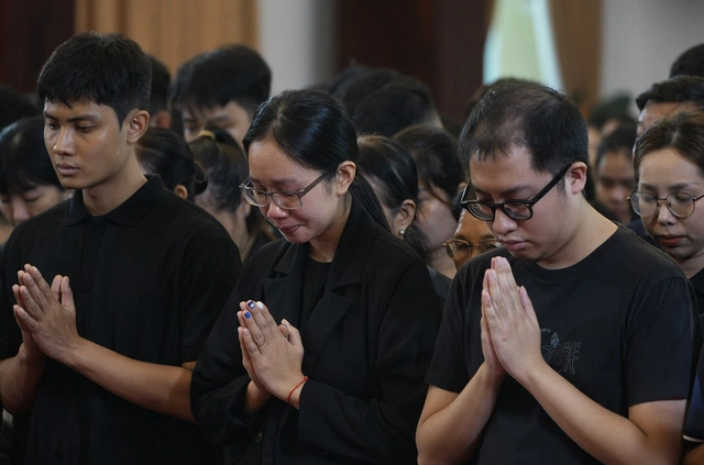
(439, 179)
(614, 175)
(163, 152)
(220, 88)
(226, 168)
(159, 114)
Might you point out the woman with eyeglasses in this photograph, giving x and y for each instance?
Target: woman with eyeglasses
(319, 357)
(669, 162)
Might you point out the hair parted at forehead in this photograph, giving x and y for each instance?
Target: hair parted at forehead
(683, 133)
(310, 126)
(518, 113)
(108, 69)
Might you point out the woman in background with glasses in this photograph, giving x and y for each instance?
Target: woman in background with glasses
(669, 163)
(337, 323)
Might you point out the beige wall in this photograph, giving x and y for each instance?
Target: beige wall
(173, 30)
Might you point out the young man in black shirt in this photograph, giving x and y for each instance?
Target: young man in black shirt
(103, 357)
(572, 344)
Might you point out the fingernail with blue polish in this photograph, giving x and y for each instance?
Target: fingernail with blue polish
(250, 304)
(247, 315)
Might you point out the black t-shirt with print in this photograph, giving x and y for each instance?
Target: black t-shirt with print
(610, 325)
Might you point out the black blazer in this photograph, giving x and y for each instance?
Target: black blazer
(368, 345)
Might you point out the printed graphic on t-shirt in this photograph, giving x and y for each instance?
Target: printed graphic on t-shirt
(561, 356)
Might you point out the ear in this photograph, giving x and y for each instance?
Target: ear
(461, 186)
(346, 172)
(576, 178)
(181, 191)
(137, 122)
(405, 215)
(161, 119)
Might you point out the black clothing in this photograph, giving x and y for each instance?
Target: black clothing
(637, 227)
(611, 325)
(368, 344)
(148, 280)
(315, 276)
(694, 426)
(698, 283)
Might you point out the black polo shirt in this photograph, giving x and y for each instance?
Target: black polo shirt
(149, 279)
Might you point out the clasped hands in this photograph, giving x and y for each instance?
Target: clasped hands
(46, 315)
(509, 326)
(272, 354)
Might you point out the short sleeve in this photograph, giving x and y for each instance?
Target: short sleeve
(448, 369)
(208, 278)
(661, 332)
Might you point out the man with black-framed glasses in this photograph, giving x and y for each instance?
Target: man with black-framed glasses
(558, 347)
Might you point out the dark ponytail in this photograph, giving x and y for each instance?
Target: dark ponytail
(313, 129)
(163, 152)
(392, 169)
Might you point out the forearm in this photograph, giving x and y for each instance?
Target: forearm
(451, 435)
(161, 388)
(607, 436)
(19, 379)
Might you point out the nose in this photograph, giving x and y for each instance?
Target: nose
(273, 212)
(664, 214)
(20, 212)
(64, 143)
(503, 224)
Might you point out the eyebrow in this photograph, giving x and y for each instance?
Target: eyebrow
(681, 185)
(86, 117)
(277, 182)
(507, 194)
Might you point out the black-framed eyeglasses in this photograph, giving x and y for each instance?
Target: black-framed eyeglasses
(460, 249)
(516, 209)
(646, 205)
(287, 200)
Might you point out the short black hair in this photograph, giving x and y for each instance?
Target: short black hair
(215, 78)
(435, 153)
(163, 152)
(24, 161)
(682, 132)
(678, 89)
(689, 63)
(521, 113)
(161, 78)
(619, 140)
(14, 105)
(394, 107)
(108, 69)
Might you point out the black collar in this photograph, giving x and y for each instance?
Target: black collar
(351, 256)
(129, 212)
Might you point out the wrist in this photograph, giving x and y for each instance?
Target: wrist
(255, 398)
(74, 353)
(31, 359)
(294, 395)
(492, 378)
